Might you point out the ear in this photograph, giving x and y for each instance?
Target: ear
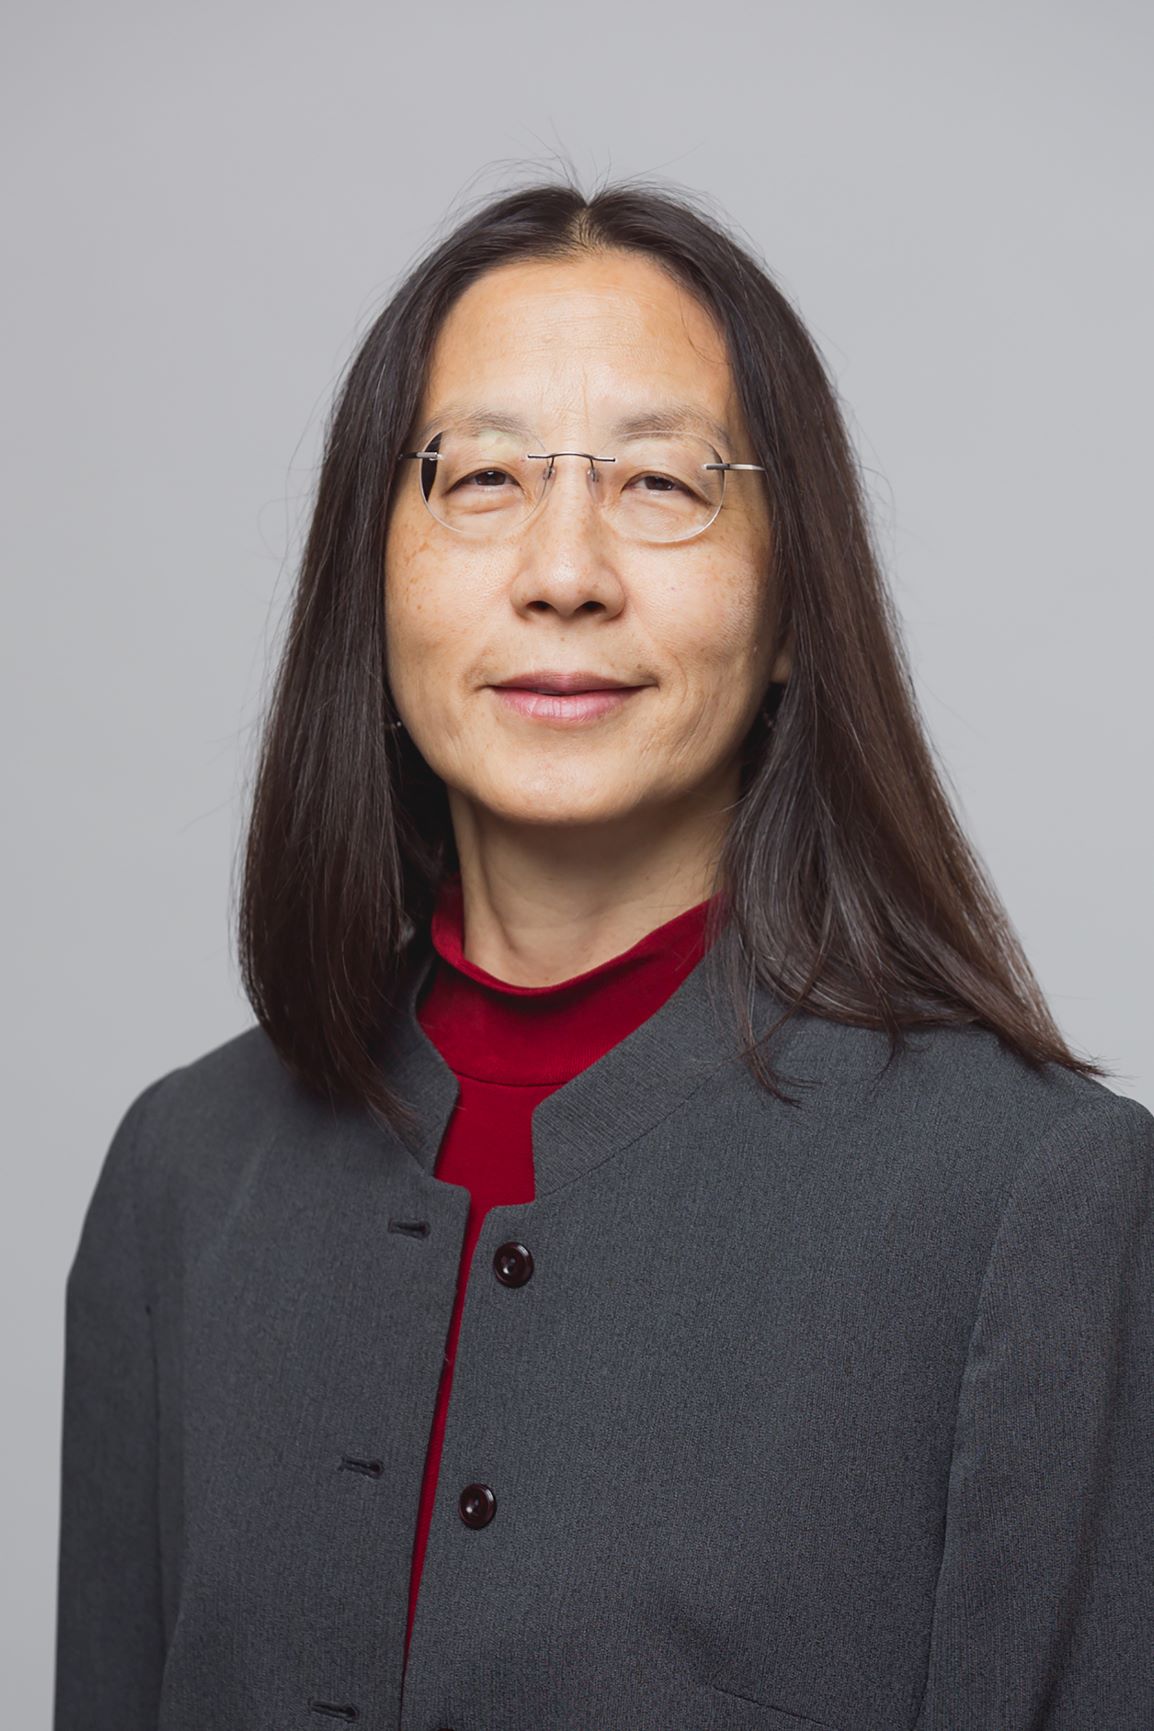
(783, 663)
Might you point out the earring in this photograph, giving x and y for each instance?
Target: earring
(394, 724)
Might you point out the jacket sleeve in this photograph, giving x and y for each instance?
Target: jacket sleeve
(109, 1626)
(1044, 1612)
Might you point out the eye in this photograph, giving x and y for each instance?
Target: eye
(658, 486)
(478, 474)
(664, 481)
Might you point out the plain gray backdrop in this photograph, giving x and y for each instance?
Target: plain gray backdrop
(206, 206)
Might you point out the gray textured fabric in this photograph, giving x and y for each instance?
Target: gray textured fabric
(835, 1416)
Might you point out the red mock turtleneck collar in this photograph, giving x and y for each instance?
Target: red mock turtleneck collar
(493, 1031)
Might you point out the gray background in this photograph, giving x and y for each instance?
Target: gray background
(205, 208)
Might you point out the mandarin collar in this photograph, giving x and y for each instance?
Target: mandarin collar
(639, 1081)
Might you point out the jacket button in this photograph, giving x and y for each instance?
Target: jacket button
(512, 1264)
(477, 1505)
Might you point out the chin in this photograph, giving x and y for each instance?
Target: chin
(541, 805)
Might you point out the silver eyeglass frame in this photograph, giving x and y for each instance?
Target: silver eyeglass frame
(550, 456)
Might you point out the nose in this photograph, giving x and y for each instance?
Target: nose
(567, 557)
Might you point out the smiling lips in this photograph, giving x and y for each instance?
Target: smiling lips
(566, 699)
(556, 683)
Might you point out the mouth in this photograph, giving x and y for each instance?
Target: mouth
(556, 683)
(566, 708)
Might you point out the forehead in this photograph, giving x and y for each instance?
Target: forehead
(591, 341)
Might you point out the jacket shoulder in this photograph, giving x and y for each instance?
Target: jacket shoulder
(962, 1091)
(200, 1126)
(974, 1070)
(232, 1085)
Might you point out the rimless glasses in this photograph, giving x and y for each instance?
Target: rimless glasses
(479, 481)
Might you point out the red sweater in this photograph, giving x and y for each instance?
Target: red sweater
(509, 1046)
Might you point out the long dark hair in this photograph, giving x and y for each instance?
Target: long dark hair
(849, 885)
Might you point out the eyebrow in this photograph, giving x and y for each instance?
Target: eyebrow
(669, 417)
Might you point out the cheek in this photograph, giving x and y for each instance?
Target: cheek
(713, 625)
(408, 560)
(431, 614)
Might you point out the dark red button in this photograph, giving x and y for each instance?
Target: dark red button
(512, 1264)
(477, 1505)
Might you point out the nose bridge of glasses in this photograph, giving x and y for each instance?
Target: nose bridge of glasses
(550, 457)
(544, 463)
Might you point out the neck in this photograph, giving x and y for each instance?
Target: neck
(541, 908)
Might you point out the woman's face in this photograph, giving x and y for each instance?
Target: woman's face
(570, 348)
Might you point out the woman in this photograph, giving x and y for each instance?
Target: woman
(655, 1262)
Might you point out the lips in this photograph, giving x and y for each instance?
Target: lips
(565, 709)
(557, 684)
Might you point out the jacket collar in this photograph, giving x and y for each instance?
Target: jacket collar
(628, 1090)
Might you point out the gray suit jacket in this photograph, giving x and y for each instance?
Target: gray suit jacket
(834, 1417)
